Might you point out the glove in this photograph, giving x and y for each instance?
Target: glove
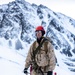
(50, 73)
(25, 71)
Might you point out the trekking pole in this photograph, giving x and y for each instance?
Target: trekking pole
(55, 73)
(30, 69)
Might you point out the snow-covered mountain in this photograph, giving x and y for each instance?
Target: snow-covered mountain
(18, 20)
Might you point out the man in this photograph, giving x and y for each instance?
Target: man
(43, 59)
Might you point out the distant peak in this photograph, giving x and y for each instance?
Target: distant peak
(20, 0)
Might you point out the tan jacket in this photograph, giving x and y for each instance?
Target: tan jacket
(44, 58)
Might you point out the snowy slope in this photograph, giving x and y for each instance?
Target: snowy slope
(11, 63)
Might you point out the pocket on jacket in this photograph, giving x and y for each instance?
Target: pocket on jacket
(43, 60)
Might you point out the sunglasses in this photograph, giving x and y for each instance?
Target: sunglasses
(38, 31)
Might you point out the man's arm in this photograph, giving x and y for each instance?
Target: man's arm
(51, 54)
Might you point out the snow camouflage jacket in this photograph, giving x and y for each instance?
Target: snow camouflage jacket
(45, 57)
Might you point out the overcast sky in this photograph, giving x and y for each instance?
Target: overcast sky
(66, 7)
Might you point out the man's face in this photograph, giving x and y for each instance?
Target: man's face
(38, 34)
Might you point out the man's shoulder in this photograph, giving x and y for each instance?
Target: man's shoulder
(47, 39)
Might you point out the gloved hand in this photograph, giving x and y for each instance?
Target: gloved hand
(50, 73)
(25, 71)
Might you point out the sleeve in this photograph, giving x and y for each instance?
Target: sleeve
(29, 58)
(51, 55)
